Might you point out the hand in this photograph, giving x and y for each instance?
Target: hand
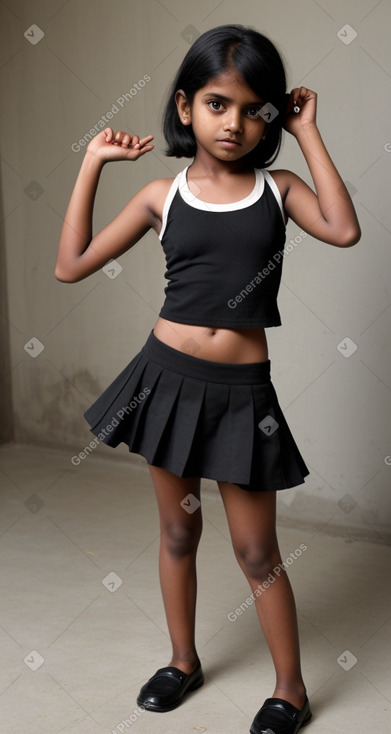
(120, 146)
(305, 99)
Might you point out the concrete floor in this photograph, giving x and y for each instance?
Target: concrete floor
(83, 625)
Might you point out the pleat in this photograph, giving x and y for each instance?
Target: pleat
(149, 435)
(115, 396)
(266, 465)
(277, 462)
(178, 444)
(241, 433)
(133, 427)
(291, 462)
(210, 442)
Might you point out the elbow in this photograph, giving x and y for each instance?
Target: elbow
(64, 277)
(349, 237)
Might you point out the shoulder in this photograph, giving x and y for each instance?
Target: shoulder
(284, 180)
(154, 194)
(156, 189)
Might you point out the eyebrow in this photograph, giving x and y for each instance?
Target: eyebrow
(229, 99)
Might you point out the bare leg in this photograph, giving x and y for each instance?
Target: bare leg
(180, 535)
(252, 522)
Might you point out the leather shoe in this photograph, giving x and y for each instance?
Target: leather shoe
(165, 690)
(279, 717)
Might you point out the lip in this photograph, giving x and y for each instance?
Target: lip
(229, 142)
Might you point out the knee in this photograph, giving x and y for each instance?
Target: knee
(256, 561)
(181, 539)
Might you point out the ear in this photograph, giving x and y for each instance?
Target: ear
(183, 107)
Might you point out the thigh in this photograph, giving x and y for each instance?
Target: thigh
(251, 517)
(178, 498)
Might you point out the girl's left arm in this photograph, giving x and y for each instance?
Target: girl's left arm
(328, 214)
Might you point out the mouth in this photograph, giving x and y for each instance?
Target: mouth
(229, 142)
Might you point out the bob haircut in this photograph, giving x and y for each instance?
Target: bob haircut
(218, 50)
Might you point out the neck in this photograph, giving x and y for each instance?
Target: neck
(205, 164)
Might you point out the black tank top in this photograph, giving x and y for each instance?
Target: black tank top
(224, 261)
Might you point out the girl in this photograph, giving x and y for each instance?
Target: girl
(197, 401)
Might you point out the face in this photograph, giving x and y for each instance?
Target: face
(224, 116)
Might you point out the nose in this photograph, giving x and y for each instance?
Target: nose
(233, 121)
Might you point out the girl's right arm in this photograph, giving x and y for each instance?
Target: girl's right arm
(79, 253)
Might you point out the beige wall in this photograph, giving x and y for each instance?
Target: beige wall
(54, 91)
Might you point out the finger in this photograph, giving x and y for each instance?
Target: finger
(301, 92)
(118, 137)
(146, 149)
(146, 140)
(306, 94)
(109, 134)
(298, 96)
(135, 141)
(126, 140)
(136, 153)
(289, 99)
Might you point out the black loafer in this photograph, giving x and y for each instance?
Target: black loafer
(279, 717)
(165, 690)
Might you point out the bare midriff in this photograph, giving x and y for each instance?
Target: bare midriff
(237, 346)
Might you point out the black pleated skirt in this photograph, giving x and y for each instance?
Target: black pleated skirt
(199, 418)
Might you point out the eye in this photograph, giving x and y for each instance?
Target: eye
(253, 111)
(215, 105)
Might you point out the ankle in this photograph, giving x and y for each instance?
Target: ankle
(294, 693)
(186, 663)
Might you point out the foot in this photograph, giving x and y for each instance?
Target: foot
(166, 689)
(280, 717)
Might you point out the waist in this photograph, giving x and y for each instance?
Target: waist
(252, 373)
(235, 346)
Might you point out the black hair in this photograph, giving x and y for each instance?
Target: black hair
(255, 58)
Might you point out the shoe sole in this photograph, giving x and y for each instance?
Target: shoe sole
(306, 720)
(163, 709)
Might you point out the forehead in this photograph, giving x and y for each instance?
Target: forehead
(230, 84)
